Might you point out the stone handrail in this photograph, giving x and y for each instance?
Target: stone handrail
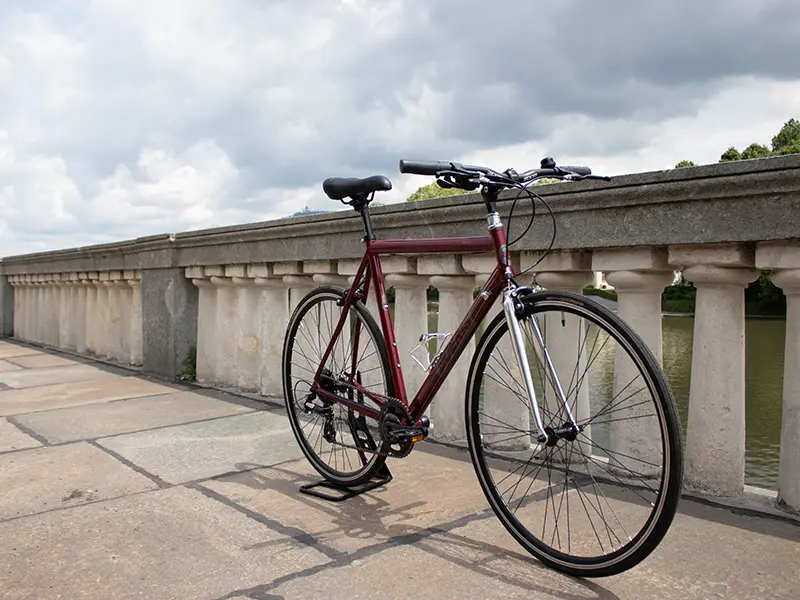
(229, 291)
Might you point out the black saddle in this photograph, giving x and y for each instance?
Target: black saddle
(347, 187)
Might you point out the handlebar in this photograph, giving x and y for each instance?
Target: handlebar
(469, 176)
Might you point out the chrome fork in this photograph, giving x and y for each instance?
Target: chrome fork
(545, 437)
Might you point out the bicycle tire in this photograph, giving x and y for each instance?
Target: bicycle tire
(375, 461)
(665, 507)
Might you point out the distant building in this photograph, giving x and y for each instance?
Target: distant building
(306, 211)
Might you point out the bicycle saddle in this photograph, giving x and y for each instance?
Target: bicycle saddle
(342, 187)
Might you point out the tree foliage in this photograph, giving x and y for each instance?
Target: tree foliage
(730, 155)
(762, 297)
(787, 137)
(786, 141)
(433, 190)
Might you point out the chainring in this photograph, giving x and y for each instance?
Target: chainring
(395, 411)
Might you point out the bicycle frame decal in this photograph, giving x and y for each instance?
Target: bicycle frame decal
(369, 271)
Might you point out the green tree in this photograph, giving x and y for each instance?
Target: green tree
(730, 155)
(433, 190)
(755, 151)
(685, 163)
(793, 148)
(787, 137)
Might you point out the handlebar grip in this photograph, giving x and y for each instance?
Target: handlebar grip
(577, 170)
(424, 167)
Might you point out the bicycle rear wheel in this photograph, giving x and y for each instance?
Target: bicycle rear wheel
(599, 503)
(339, 442)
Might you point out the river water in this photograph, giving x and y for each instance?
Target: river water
(764, 349)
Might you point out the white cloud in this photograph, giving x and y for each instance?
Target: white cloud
(124, 118)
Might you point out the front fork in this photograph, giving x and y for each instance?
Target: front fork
(547, 435)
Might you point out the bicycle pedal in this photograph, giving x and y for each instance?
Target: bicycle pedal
(411, 434)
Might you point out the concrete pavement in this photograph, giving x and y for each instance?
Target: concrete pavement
(115, 485)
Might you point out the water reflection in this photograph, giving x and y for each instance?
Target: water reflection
(764, 348)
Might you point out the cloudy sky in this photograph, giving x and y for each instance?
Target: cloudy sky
(121, 118)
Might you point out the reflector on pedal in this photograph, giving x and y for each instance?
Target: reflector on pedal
(417, 438)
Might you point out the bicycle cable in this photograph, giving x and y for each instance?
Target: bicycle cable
(532, 195)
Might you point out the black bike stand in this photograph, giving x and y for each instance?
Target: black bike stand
(382, 477)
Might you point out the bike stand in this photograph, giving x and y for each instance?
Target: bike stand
(382, 477)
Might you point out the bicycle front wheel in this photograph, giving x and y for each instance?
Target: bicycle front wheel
(597, 501)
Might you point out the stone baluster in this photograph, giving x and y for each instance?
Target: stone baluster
(274, 297)
(8, 303)
(410, 318)
(99, 324)
(247, 375)
(71, 292)
(350, 268)
(9, 298)
(455, 297)
(26, 304)
(20, 299)
(114, 314)
(715, 436)
(504, 417)
(639, 276)
(61, 332)
(50, 331)
(79, 312)
(34, 317)
(92, 311)
(226, 326)
(125, 299)
(299, 285)
(136, 348)
(30, 307)
(206, 350)
(564, 337)
(785, 260)
(46, 319)
(369, 362)
(326, 273)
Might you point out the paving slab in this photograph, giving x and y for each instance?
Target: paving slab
(53, 477)
(431, 530)
(200, 450)
(12, 438)
(17, 402)
(174, 543)
(126, 416)
(42, 361)
(11, 350)
(6, 366)
(395, 509)
(38, 377)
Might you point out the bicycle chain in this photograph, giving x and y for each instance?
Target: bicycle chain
(387, 454)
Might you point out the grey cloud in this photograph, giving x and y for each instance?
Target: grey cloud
(246, 75)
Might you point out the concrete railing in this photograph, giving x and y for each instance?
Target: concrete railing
(229, 291)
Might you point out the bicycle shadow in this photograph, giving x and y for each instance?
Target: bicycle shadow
(377, 527)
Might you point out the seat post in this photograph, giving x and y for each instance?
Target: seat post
(361, 205)
(364, 210)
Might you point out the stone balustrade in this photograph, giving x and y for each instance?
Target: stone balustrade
(94, 313)
(228, 292)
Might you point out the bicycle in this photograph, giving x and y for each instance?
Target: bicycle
(344, 390)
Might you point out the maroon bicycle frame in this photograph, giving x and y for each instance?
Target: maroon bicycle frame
(370, 269)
